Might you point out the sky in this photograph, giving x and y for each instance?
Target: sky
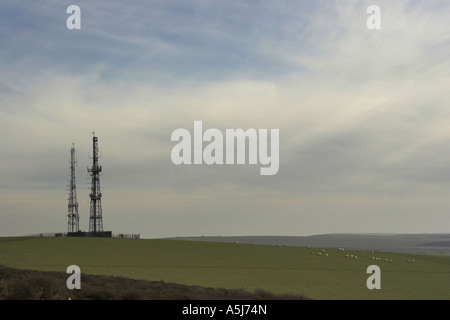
(363, 115)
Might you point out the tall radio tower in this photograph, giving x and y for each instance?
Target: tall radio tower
(74, 218)
(95, 219)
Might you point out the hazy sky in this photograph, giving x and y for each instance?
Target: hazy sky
(364, 115)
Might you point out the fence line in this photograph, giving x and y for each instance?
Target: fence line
(127, 235)
(65, 234)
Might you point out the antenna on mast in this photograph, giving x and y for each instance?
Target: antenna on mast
(95, 218)
(74, 219)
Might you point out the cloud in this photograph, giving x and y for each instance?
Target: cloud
(362, 114)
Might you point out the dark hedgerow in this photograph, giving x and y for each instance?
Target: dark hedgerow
(19, 284)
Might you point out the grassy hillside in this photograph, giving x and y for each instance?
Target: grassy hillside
(280, 270)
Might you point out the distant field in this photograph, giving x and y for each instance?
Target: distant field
(396, 243)
(280, 270)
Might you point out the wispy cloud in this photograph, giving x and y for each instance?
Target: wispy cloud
(362, 114)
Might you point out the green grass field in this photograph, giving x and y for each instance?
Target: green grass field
(280, 270)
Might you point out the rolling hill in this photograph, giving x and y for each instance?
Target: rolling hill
(334, 274)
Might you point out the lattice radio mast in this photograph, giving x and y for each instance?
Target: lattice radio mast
(95, 219)
(74, 218)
